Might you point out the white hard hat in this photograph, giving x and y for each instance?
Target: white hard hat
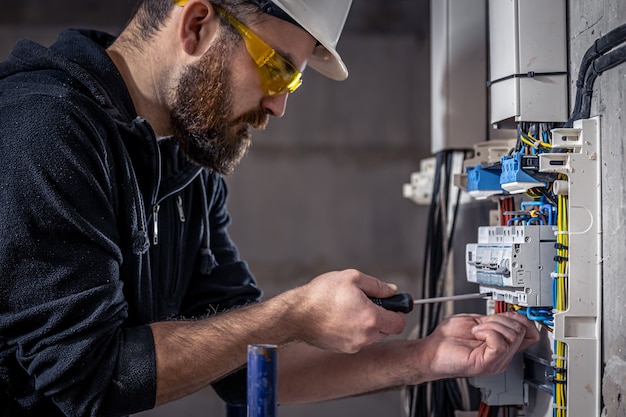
(324, 20)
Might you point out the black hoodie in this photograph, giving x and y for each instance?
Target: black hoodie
(103, 230)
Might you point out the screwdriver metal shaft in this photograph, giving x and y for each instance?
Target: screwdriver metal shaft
(461, 297)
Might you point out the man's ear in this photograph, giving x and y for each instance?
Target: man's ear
(199, 24)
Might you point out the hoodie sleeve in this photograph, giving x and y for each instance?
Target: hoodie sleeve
(63, 331)
(222, 280)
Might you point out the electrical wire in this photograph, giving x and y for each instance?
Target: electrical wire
(599, 47)
(534, 143)
(560, 304)
(599, 65)
(444, 397)
(544, 209)
(485, 410)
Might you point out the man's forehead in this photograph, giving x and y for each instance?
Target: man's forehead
(290, 41)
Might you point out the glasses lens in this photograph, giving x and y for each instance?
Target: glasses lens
(278, 75)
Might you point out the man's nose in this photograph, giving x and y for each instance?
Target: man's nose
(275, 105)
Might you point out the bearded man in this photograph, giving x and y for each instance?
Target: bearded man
(119, 280)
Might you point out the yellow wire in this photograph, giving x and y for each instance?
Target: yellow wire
(526, 141)
(561, 305)
(537, 142)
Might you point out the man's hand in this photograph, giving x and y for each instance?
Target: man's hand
(472, 344)
(337, 315)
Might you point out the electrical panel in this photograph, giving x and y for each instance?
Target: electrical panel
(542, 257)
(528, 60)
(540, 253)
(544, 260)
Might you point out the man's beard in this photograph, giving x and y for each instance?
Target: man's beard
(202, 108)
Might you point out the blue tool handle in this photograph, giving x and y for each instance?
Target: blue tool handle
(402, 302)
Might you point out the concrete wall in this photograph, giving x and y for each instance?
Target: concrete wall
(588, 20)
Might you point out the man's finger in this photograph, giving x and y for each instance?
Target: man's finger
(532, 334)
(497, 351)
(511, 317)
(373, 287)
(511, 331)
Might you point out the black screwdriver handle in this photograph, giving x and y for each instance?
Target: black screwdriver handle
(402, 302)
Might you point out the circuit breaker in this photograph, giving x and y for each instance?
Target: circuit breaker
(514, 263)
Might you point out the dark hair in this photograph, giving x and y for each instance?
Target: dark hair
(150, 15)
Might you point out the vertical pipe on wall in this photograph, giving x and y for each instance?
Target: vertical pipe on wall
(262, 380)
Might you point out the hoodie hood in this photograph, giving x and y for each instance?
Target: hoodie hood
(69, 57)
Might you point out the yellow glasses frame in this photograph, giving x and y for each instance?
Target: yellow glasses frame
(277, 74)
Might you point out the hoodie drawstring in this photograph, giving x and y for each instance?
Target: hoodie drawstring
(208, 261)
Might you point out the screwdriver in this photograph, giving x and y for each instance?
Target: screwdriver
(404, 302)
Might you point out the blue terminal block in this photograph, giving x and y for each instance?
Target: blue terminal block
(513, 178)
(483, 182)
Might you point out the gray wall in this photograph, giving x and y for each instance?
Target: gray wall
(321, 188)
(589, 20)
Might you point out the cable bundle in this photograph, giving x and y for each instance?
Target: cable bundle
(560, 304)
(439, 398)
(593, 64)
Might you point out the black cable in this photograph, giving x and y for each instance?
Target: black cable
(600, 64)
(443, 251)
(420, 403)
(439, 398)
(448, 398)
(493, 411)
(455, 215)
(454, 392)
(599, 47)
(429, 243)
(419, 393)
(448, 248)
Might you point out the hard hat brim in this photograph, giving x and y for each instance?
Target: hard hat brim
(325, 58)
(327, 62)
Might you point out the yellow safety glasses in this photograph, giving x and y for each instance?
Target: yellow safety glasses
(277, 74)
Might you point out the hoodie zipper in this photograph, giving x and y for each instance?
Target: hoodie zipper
(179, 202)
(179, 205)
(155, 224)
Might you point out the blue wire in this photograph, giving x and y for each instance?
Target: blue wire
(514, 219)
(546, 209)
(543, 316)
(530, 203)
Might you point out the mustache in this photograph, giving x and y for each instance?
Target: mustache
(256, 119)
